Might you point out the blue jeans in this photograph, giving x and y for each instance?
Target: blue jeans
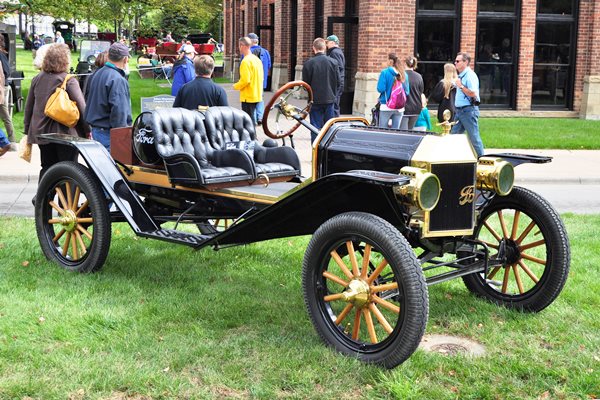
(319, 114)
(394, 115)
(260, 110)
(102, 135)
(468, 120)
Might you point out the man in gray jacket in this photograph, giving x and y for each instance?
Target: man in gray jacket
(334, 51)
(321, 73)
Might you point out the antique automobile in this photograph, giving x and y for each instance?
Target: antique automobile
(390, 213)
(66, 30)
(14, 97)
(88, 52)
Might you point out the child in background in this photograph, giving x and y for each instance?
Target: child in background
(424, 121)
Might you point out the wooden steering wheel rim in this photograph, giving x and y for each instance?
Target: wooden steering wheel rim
(274, 99)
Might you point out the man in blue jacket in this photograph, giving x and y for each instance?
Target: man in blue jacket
(265, 58)
(183, 70)
(109, 102)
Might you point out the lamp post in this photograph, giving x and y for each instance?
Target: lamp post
(220, 23)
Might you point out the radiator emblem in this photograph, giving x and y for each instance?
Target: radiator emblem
(467, 195)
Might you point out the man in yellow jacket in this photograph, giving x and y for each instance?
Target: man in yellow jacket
(250, 84)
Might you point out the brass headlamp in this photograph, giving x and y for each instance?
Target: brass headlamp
(423, 190)
(495, 174)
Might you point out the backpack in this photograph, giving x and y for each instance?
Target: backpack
(397, 98)
(257, 52)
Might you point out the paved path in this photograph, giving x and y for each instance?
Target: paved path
(574, 168)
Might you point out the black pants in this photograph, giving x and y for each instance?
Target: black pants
(336, 105)
(53, 153)
(250, 109)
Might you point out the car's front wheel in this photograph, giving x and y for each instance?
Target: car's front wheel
(364, 289)
(528, 233)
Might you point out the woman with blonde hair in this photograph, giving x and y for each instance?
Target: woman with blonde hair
(392, 73)
(55, 65)
(445, 91)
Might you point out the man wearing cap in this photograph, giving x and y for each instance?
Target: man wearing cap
(322, 74)
(183, 69)
(334, 51)
(265, 58)
(109, 102)
(250, 84)
(202, 91)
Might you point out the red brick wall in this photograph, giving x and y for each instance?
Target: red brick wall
(526, 54)
(281, 52)
(468, 28)
(382, 29)
(595, 50)
(306, 29)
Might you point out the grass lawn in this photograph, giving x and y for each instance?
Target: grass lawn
(163, 321)
(526, 133)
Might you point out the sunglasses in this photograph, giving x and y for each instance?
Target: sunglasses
(457, 61)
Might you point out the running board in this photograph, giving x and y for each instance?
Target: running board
(173, 236)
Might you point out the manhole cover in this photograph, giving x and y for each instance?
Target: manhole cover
(451, 345)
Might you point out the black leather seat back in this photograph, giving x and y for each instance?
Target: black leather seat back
(178, 130)
(228, 124)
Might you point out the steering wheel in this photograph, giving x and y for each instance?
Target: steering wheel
(280, 105)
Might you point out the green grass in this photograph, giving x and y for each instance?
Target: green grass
(163, 321)
(522, 133)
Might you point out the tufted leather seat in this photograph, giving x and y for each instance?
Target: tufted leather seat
(228, 126)
(181, 140)
(216, 148)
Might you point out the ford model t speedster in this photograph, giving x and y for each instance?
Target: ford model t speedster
(390, 213)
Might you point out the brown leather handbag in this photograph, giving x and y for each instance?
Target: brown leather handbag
(61, 108)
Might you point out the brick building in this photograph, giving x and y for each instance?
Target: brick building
(530, 55)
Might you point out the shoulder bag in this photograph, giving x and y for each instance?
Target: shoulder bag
(61, 108)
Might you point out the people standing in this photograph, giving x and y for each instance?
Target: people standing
(389, 76)
(109, 100)
(5, 144)
(467, 101)
(36, 44)
(444, 92)
(59, 38)
(183, 69)
(4, 108)
(54, 71)
(250, 84)
(413, 99)
(322, 74)
(334, 51)
(265, 59)
(202, 91)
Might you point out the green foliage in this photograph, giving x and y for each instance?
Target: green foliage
(162, 321)
(175, 23)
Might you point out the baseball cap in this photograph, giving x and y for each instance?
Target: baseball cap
(188, 49)
(253, 36)
(117, 51)
(333, 38)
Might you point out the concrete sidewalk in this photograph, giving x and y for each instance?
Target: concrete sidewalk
(567, 166)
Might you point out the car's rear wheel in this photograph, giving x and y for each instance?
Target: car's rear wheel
(525, 228)
(72, 218)
(364, 289)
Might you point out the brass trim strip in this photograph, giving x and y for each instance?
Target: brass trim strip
(315, 145)
(159, 178)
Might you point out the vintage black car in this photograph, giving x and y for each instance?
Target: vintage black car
(14, 97)
(390, 213)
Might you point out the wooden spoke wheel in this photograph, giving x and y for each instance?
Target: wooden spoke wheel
(364, 289)
(524, 230)
(72, 218)
(292, 99)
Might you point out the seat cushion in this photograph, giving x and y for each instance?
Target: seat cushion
(275, 169)
(227, 124)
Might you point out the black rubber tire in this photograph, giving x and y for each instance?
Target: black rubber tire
(411, 293)
(98, 246)
(557, 249)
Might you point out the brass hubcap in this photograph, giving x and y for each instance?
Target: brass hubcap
(69, 221)
(358, 293)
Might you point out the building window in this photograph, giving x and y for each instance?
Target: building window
(554, 58)
(496, 58)
(436, 38)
